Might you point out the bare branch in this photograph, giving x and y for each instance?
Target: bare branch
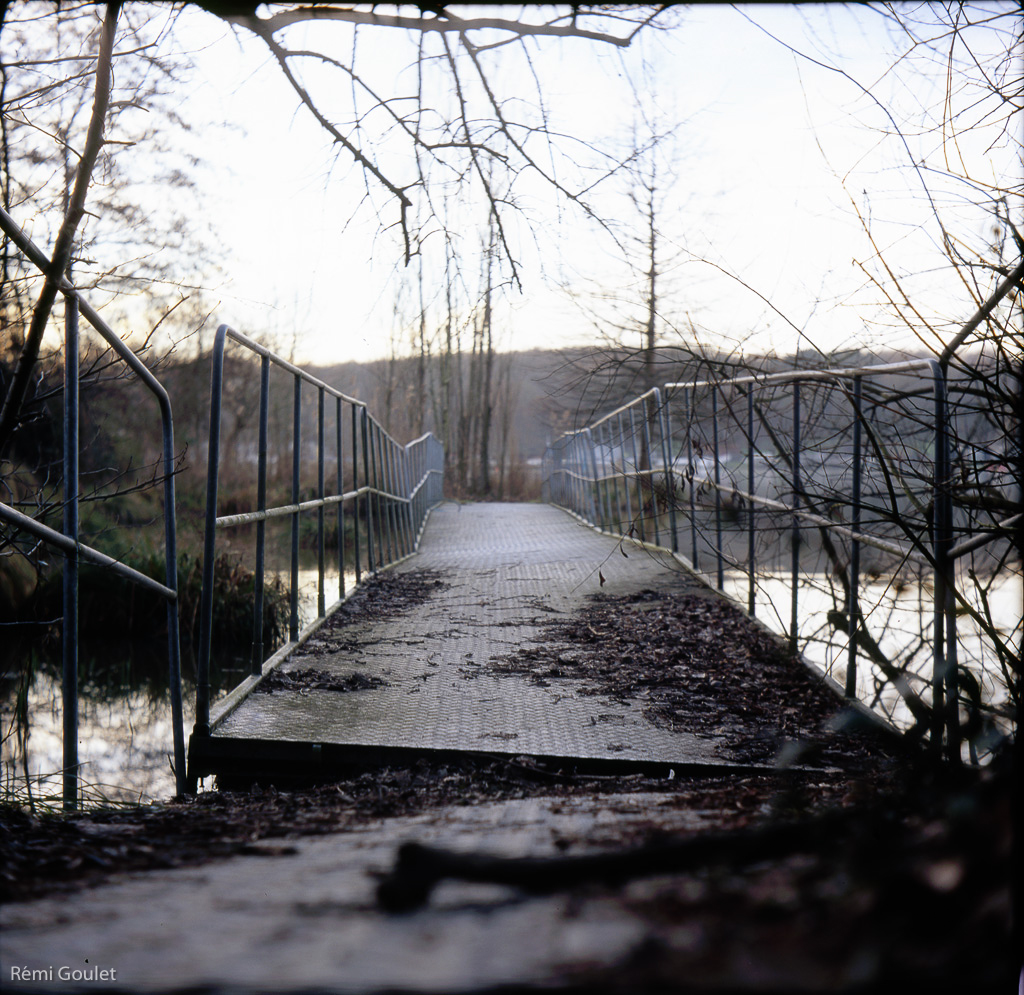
(448, 23)
(281, 55)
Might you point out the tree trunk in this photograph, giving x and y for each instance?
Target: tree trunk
(10, 414)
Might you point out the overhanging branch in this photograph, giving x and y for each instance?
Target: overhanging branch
(443, 24)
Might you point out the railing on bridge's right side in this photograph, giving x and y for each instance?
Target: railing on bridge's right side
(834, 485)
(391, 488)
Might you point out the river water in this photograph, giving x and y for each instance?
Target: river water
(125, 733)
(900, 619)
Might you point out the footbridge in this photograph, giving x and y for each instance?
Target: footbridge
(812, 498)
(770, 490)
(432, 681)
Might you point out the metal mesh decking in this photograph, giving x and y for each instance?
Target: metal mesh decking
(508, 568)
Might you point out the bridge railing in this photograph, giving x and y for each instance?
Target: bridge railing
(67, 539)
(833, 486)
(391, 488)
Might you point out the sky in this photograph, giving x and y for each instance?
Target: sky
(759, 192)
(771, 153)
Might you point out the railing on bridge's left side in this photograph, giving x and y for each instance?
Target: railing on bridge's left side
(67, 540)
(392, 489)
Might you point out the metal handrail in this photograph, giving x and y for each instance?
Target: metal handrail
(608, 474)
(394, 486)
(70, 545)
(284, 510)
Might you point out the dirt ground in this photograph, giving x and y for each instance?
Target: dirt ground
(888, 869)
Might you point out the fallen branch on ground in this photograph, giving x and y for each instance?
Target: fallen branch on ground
(418, 869)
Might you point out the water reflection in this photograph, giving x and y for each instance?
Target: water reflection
(125, 734)
(124, 743)
(900, 618)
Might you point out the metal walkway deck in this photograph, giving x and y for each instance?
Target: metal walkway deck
(508, 569)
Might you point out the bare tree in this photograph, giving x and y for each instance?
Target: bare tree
(64, 245)
(86, 110)
(442, 151)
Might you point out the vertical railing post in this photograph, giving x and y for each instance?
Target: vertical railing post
(611, 482)
(403, 460)
(438, 477)
(667, 457)
(406, 471)
(593, 498)
(383, 502)
(853, 608)
(564, 498)
(256, 663)
(583, 471)
(570, 474)
(321, 592)
(340, 490)
(720, 574)
(595, 486)
(424, 465)
(69, 629)
(381, 518)
(370, 484)
(424, 462)
(608, 509)
(293, 621)
(357, 552)
(202, 727)
(648, 448)
(637, 482)
(418, 473)
(568, 477)
(407, 465)
(396, 488)
(173, 610)
(387, 507)
(571, 481)
(625, 476)
(433, 459)
(554, 455)
(945, 684)
(795, 540)
(690, 402)
(563, 470)
(751, 513)
(393, 488)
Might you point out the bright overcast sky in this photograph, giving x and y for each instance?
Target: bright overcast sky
(770, 152)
